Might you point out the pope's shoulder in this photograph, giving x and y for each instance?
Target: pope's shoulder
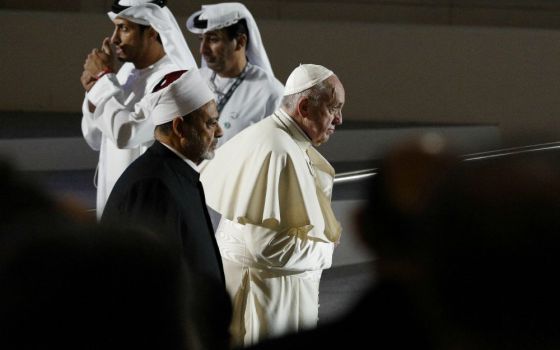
(266, 135)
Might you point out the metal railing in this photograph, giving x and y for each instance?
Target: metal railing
(352, 176)
(512, 151)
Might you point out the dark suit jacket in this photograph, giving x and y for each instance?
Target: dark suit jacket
(162, 193)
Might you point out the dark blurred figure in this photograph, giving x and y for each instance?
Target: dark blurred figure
(21, 200)
(89, 288)
(466, 254)
(70, 284)
(492, 254)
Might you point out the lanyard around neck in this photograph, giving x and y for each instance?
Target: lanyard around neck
(222, 100)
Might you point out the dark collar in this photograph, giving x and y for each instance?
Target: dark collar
(174, 161)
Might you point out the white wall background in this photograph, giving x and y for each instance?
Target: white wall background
(392, 72)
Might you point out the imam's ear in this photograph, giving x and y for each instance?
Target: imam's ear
(177, 126)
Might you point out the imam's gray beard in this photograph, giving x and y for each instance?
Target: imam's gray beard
(209, 154)
(210, 151)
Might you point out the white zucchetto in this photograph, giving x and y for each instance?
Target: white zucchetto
(218, 16)
(146, 13)
(186, 94)
(304, 77)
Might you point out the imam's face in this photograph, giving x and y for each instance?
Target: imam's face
(202, 133)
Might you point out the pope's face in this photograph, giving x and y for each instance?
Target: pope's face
(202, 132)
(131, 42)
(322, 119)
(217, 50)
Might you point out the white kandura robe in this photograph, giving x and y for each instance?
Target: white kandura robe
(278, 229)
(118, 128)
(257, 97)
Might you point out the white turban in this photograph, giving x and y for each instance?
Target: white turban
(162, 20)
(186, 94)
(223, 15)
(304, 77)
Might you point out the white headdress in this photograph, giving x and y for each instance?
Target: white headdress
(145, 12)
(186, 94)
(304, 77)
(224, 15)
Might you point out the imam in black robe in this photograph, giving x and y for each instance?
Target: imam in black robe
(160, 192)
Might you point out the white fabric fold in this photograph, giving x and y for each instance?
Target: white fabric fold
(262, 177)
(286, 253)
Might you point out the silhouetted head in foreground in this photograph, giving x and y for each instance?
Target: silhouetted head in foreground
(92, 289)
(475, 243)
(70, 284)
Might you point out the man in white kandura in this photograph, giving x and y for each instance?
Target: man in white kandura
(148, 39)
(236, 66)
(273, 189)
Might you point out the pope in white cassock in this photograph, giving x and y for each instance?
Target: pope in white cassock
(273, 189)
(149, 41)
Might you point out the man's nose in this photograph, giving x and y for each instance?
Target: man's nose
(203, 46)
(115, 38)
(219, 131)
(337, 119)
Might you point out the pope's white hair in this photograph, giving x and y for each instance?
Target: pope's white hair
(314, 94)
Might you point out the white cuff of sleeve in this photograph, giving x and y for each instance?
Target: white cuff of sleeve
(104, 88)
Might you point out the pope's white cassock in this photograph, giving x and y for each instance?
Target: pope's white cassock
(278, 229)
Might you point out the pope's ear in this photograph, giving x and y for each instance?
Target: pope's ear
(303, 105)
(177, 126)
